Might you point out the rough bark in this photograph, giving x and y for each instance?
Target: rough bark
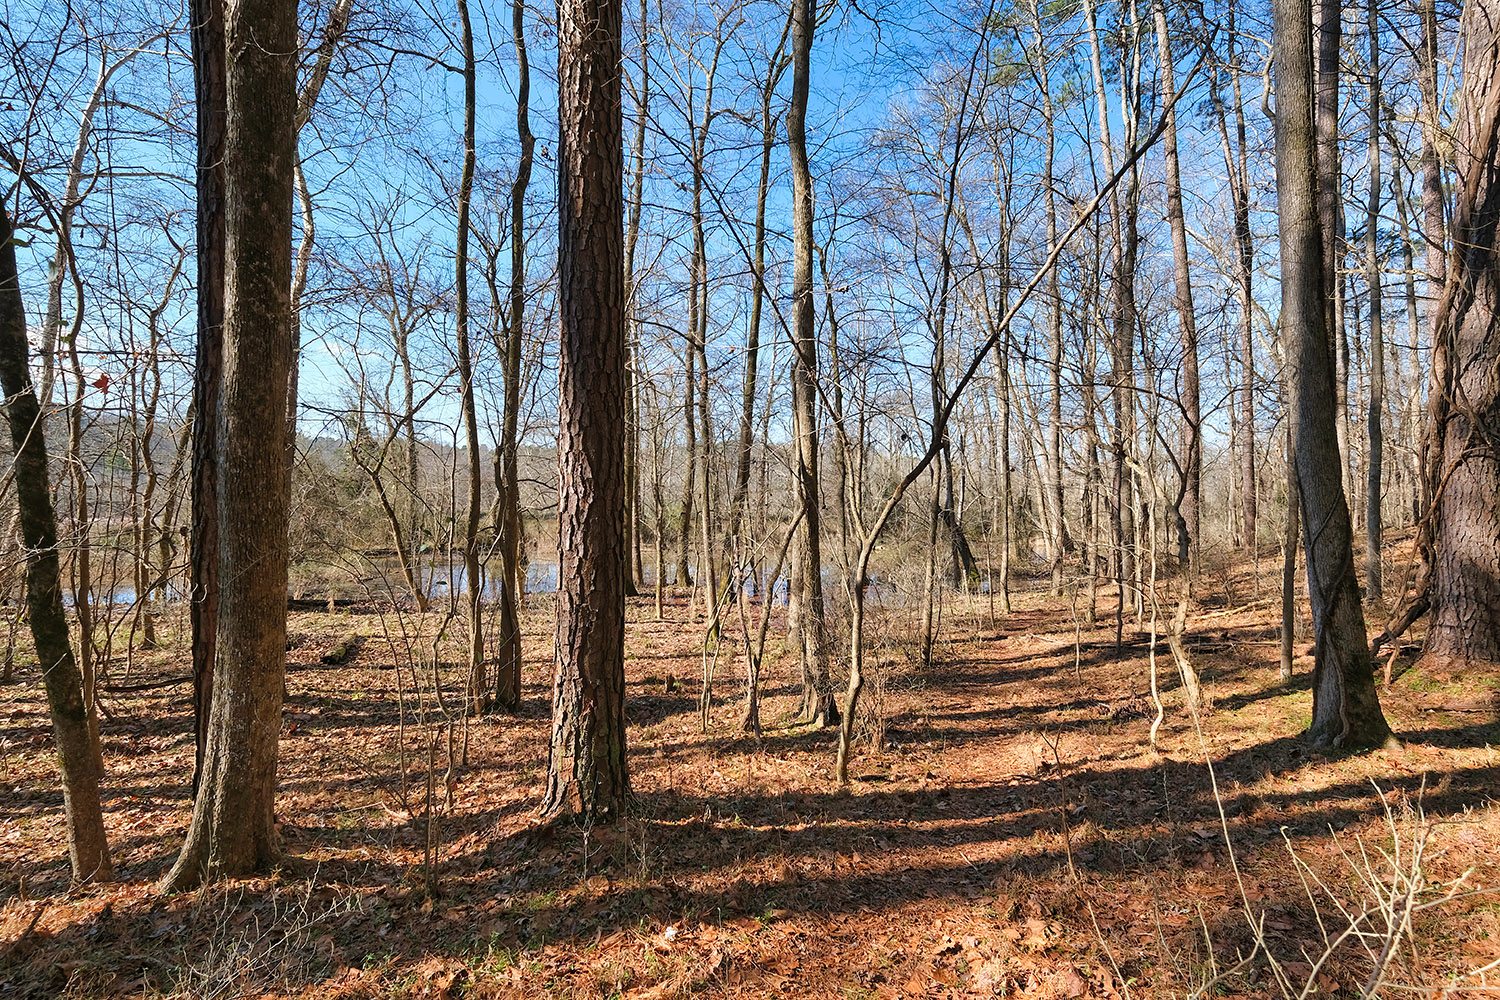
(1465, 624)
(587, 773)
(203, 545)
(232, 831)
(1289, 571)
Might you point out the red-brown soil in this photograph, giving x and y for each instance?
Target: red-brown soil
(1013, 835)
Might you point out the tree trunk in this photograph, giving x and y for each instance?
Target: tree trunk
(77, 746)
(479, 693)
(1327, 37)
(1434, 231)
(307, 99)
(633, 576)
(508, 480)
(83, 608)
(1346, 711)
(1192, 447)
(1125, 233)
(1465, 625)
(587, 773)
(758, 295)
(207, 30)
(1411, 407)
(818, 696)
(1289, 568)
(1373, 589)
(690, 436)
(699, 346)
(232, 831)
(1058, 527)
(1433, 224)
(1244, 274)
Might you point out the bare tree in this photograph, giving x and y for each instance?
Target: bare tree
(77, 742)
(1346, 711)
(1376, 402)
(507, 470)
(1192, 444)
(817, 697)
(479, 692)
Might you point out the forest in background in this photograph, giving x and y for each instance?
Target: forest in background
(833, 337)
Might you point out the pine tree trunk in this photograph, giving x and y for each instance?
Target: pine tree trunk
(232, 831)
(587, 774)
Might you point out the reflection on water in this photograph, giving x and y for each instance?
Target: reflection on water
(541, 578)
(120, 597)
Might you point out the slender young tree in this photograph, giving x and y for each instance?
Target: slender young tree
(307, 99)
(1439, 375)
(232, 830)
(635, 578)
(1346, 711)
(776, 68)
(587, 773)
(1236, 162)
(507, 465)
(77, 743)
(479, 692)
(817, 701)
(1192, 447)
(1376, 403)
(1058, 531)
(1123, 213)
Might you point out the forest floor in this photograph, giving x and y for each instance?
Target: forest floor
(1012, 833)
